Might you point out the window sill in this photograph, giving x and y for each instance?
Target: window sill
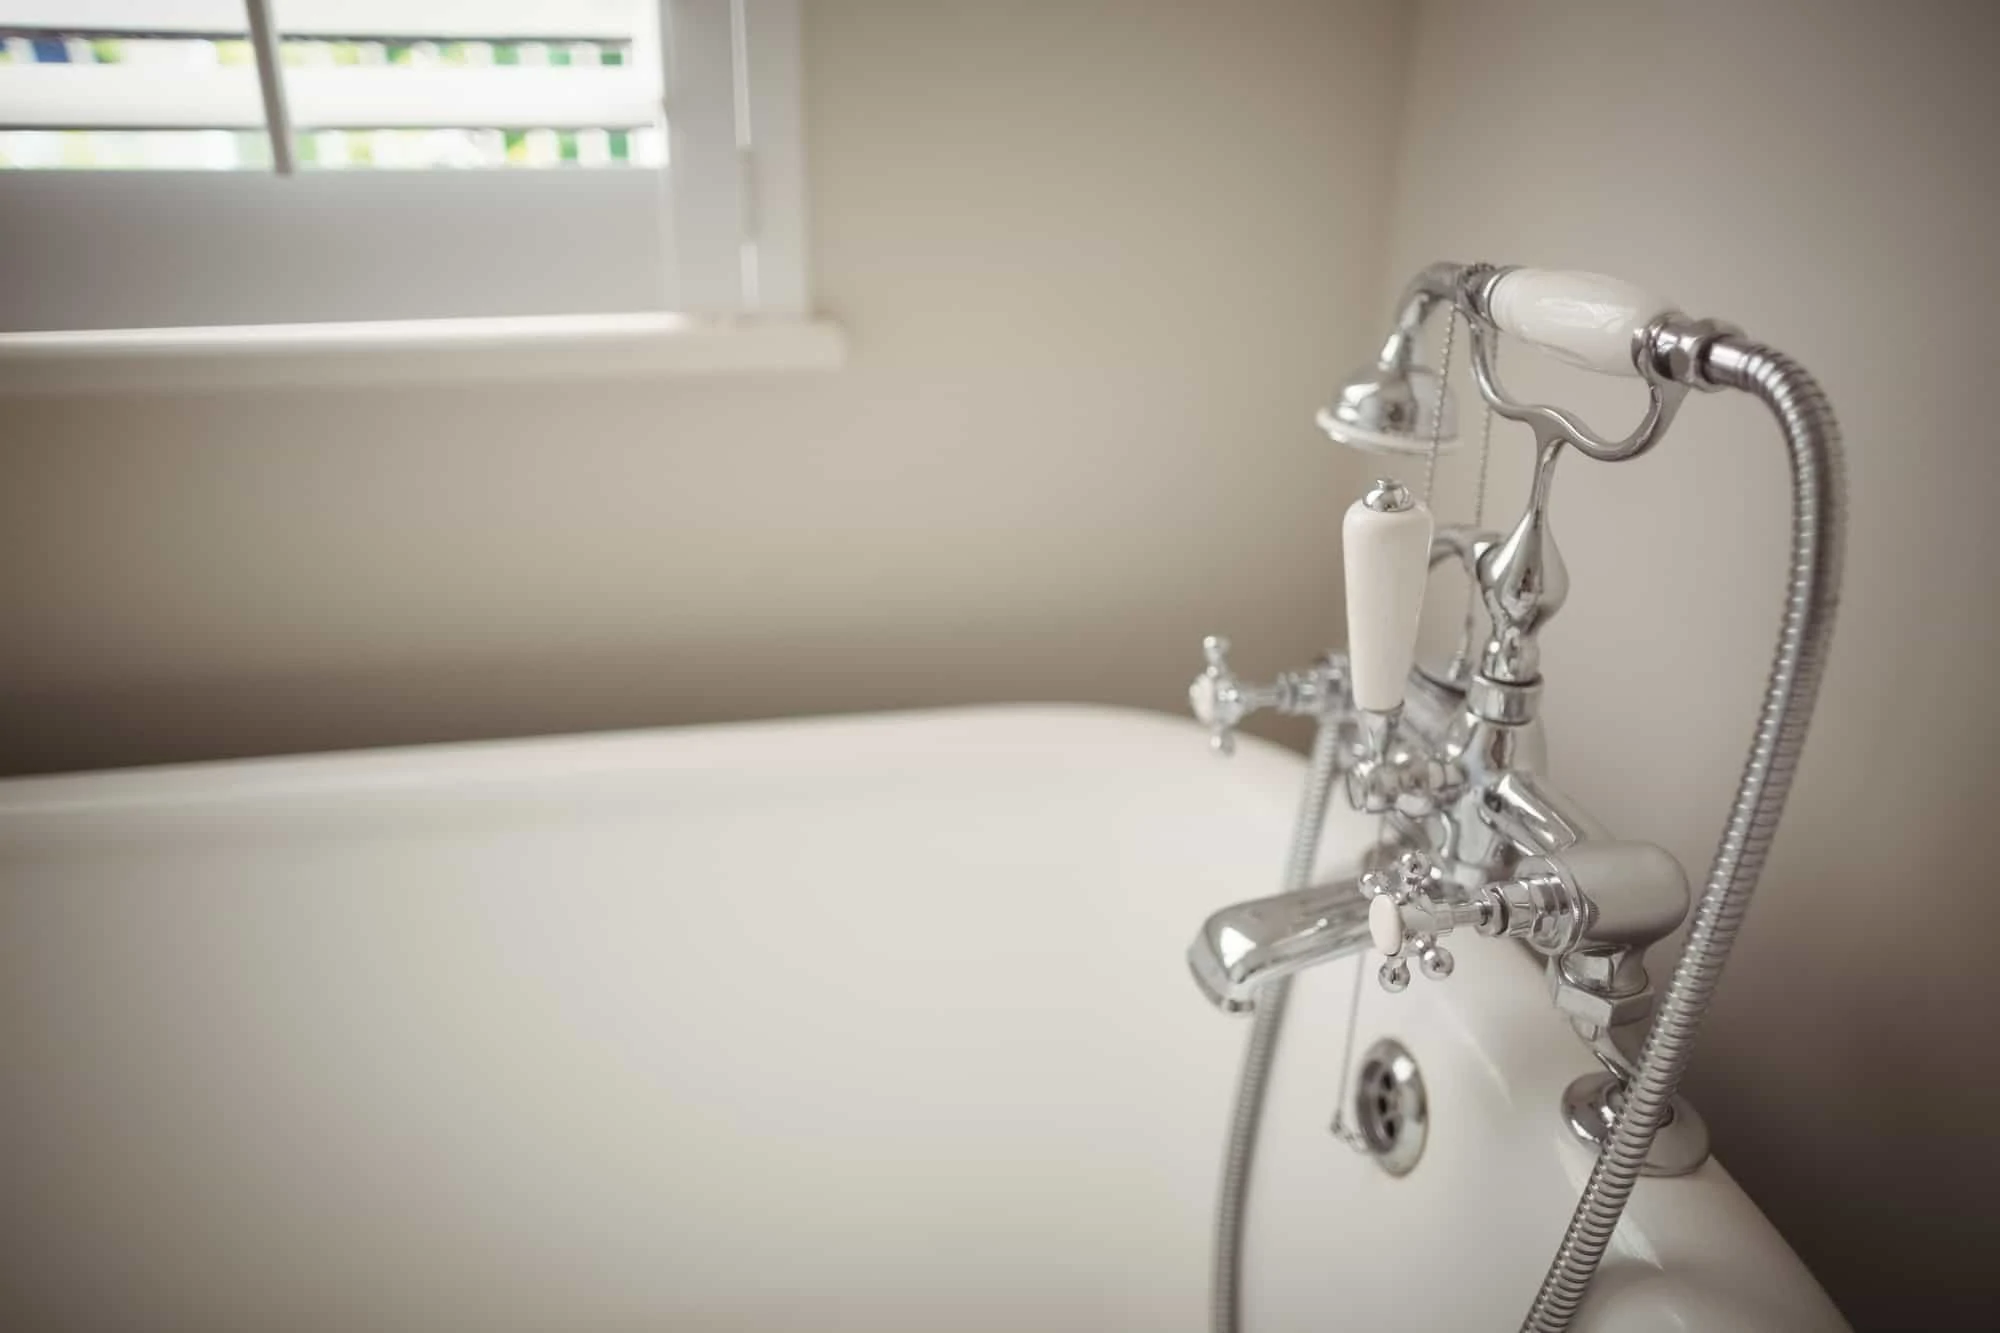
(534, 347)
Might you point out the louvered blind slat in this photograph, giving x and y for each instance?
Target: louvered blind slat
(108, 96)
(547, 66)
(598, 20)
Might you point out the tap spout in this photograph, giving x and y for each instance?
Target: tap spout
(1242, 947)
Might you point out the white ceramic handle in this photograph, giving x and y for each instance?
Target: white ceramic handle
(1586, 319)
(1385, 924)
(1388, 553)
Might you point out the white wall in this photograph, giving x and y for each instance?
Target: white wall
(1097, 262)
(1823, 174)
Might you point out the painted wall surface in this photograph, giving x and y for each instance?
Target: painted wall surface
(1096, 262)
(1825, 176)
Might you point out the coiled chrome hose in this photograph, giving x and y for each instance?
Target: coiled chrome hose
(1268, 1022)
(1813, 440)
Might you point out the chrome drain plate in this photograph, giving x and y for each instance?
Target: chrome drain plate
(1390, 1109)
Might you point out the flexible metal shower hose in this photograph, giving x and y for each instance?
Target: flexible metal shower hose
(1226, 1289)
(1813, 441)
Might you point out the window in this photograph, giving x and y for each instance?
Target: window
(443, 84)
(452, 158)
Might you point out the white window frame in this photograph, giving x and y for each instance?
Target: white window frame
(733, 80)
(108, 266)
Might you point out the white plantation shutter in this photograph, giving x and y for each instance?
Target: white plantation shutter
(366, 88)
(666, 135)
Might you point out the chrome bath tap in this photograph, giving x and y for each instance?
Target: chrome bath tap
(1480, 839)
(1605, 901)
(1484, 840)
(1477, 841)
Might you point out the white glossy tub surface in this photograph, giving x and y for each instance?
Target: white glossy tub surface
(874, 1023)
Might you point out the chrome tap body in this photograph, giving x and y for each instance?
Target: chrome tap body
(1486, 841)
(1457, 771)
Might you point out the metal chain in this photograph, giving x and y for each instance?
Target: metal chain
(1485, 446)
(1462, 659)
(1342, 1130)
(1437, 405)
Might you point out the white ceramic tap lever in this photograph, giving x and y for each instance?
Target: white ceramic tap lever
(1386, 539)
(1385, 924)
(1586, 319)
(1406, 914)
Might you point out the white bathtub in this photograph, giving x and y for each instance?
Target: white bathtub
(874, 1023)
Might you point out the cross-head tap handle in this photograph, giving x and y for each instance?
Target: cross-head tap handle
(1405, 917)
(1217, 696)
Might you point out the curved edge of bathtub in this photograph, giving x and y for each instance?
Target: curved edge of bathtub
(801, 745)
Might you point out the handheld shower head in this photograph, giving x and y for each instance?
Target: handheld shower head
(1390, 407)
